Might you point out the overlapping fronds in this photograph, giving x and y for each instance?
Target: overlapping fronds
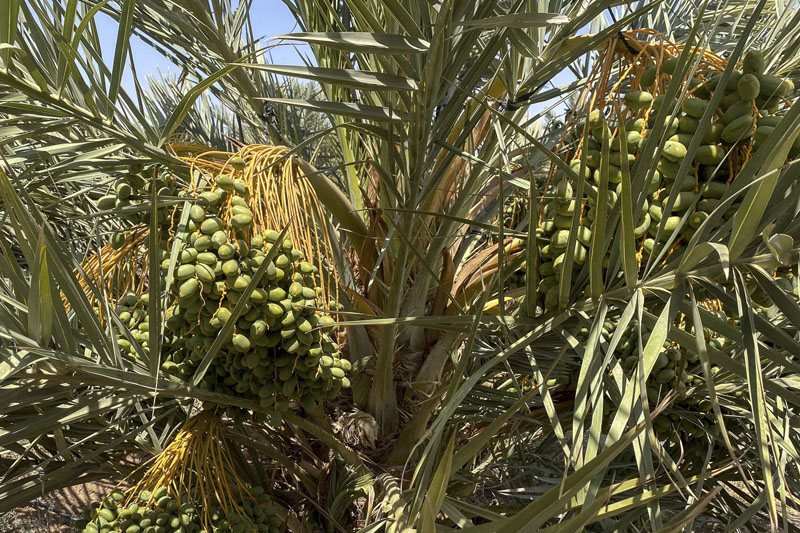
(513, 422)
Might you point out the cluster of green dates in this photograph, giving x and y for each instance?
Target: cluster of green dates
(159, 512)
(748, 109)
(130, 192)
(280, 347)
(747, 114)
(257, 514)
(132, 311)
(554, 234)
(153, 513)
(677, 369)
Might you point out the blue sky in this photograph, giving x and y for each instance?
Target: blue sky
(270, 18)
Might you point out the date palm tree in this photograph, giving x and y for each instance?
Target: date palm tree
(416, 123)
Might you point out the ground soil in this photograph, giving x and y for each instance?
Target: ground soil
(56, 512)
